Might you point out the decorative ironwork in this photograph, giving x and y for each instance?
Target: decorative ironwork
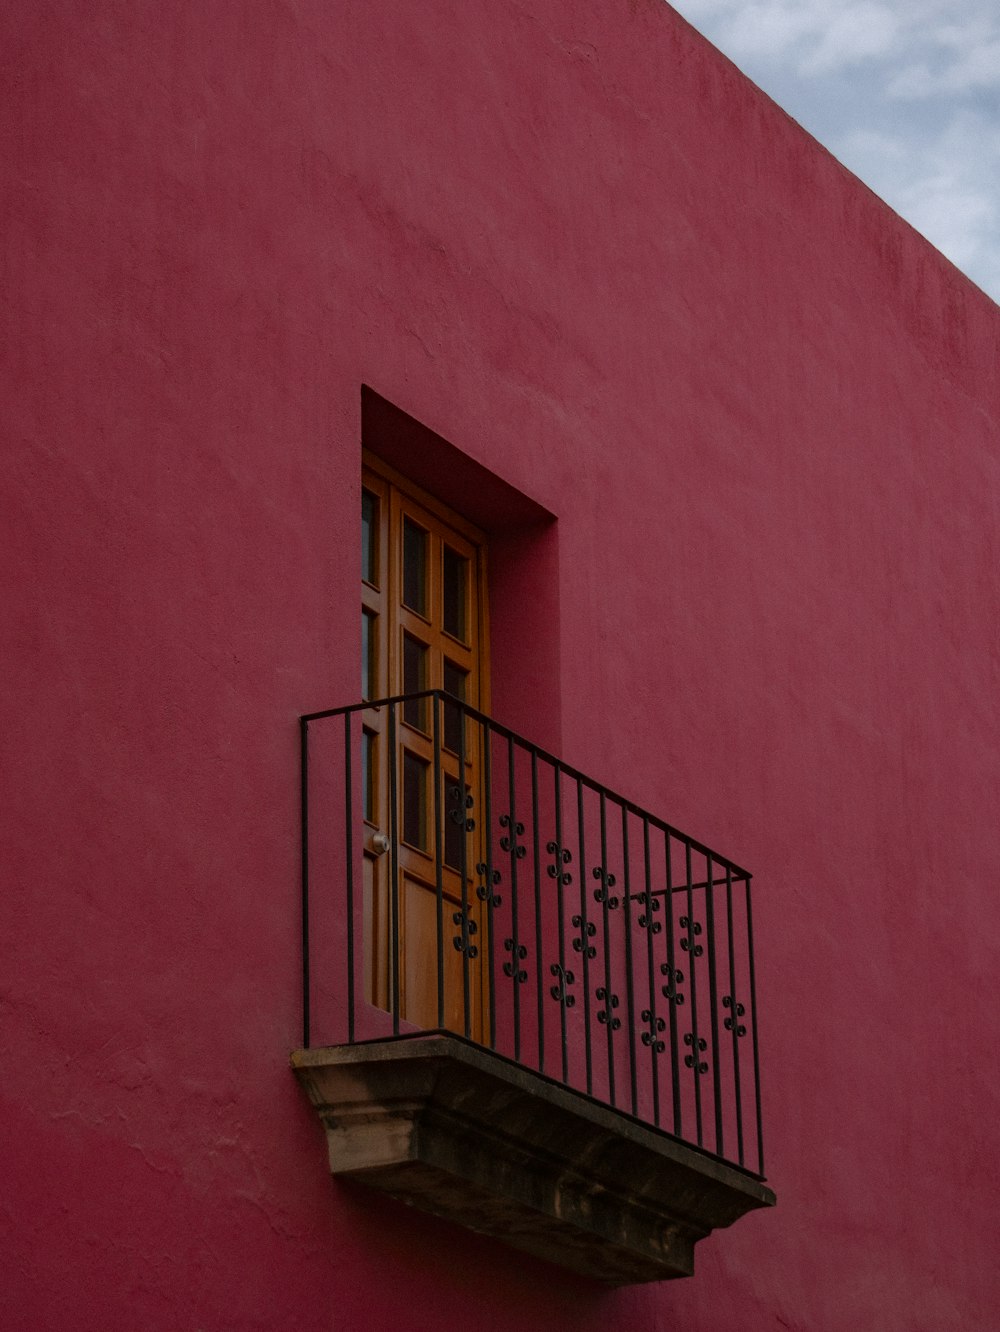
(675, 978)
(560, 991)
(603, 894)
(586, 931)
(651, 1036)
(455, 810)
(518, 973)
(606, 1014)
(486, 891)
(560, 857)
(693, 928)
(698, 1046)
(733, 1021)
(650, 906)
(463, 941)
(509, 840)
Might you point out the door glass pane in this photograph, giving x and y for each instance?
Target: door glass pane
(369, 655)
(455, 680)
(369, 537)
(414, 801)
(456, 583)
(414, 567)
(414, 678)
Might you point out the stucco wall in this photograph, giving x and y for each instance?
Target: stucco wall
(574, 241)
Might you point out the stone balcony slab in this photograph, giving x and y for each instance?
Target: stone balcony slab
(452, 1128)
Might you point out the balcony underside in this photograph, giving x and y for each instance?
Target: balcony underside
(458, 1131)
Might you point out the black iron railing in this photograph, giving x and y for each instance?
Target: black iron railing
(456, 877)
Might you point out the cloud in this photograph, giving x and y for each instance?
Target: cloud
(943, 183)
(815, 35)
(933, 45)
(858, 33)
(904, 92)
(974, 67)
(770, 30)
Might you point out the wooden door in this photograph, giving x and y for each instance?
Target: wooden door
(423, 627)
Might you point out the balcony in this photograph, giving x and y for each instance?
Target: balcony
(529, 1005)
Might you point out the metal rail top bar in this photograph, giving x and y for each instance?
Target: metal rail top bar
(574, 774)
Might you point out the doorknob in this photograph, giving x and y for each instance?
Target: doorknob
(380, 843)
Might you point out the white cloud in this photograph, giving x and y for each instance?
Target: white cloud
(822, 36)
(858, 33)
(770, 30)
(871, 145)
(903, 91)
(815, 34)
(943, 183)
(974, 68)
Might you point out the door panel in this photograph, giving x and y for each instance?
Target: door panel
(424, 626)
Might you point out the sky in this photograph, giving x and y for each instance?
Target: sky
(906, 93)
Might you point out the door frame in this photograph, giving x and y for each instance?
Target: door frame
(398, 496)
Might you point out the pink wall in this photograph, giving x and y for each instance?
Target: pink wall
(574, 241)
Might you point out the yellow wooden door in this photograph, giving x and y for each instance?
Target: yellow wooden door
(423, 627)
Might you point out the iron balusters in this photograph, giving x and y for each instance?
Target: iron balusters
(628, 976)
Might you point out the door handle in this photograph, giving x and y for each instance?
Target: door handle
(380, 843)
